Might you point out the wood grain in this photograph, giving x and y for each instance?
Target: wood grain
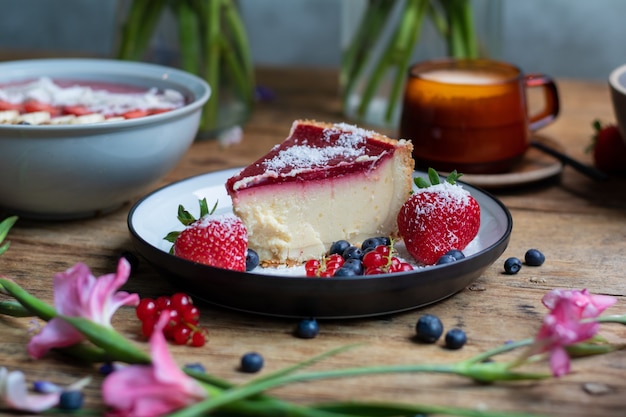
(579, 224)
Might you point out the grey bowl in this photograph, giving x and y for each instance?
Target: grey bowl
(59, 172)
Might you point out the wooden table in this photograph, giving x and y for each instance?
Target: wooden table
(578, 223)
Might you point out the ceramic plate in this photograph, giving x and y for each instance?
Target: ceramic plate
(270, 293)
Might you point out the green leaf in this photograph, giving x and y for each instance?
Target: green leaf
(453, 177)
(184, 216)
(433, 176)
(421, 182)
(5, 226)
(171, 236)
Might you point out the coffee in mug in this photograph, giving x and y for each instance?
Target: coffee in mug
(471, 115)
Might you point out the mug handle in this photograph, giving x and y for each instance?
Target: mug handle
(551, 96)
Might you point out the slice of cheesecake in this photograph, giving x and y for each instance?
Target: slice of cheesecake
(324, 183)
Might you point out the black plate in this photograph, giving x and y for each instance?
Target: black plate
(151, 218)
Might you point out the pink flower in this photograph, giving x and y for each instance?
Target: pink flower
(14, 393)
(567, 324)
(77, 293)
(151, 390)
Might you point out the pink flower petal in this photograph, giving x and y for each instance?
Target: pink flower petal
(77, 293)
(151, 390)
(14, 393)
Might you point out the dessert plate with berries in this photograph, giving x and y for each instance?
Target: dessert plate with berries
(307, 290)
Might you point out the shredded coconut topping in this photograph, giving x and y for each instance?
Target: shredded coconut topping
(346, 142)
(98, 101)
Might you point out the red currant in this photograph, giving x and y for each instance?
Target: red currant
(162, 302)
(373, 259)
(191, 315)
(312, 267)
(181, 333)
(146, 309)
(198, 338)
(147, 327)
(180, 301)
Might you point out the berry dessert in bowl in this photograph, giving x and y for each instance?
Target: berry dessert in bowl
(81, 137)
(331, 223)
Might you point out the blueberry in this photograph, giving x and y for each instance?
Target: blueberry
(445, 259)
(71, 400)
(354, 264)
(252, 259)
(45, 387)
(428, 328)
(339, 247)
(197, 367)
(107, 368)
(372, 242)
(352, 252)
(455, 339)
(307, 329)
(457, 254)
(512, 266)
(533, 257)
(345, 272)
(251, 362)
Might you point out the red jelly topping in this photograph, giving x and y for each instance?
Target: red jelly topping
(315, 153)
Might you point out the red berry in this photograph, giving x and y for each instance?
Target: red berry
(384, 250)
(609, 149)
(198, 338)
(220, 241)
(147, 327)
(180, 302)
(312, 267)
(373, 259)
(191, 315)
(437, 218)
(180, 334)
(146, 309)
(162, 303)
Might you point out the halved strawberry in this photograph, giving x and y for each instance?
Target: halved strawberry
(31, 106)
(438, 217)
(216, 240)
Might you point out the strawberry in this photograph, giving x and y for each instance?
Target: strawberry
(216, 240)
(609, 148)
(438, 217)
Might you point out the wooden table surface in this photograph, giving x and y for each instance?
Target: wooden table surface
(578, 223)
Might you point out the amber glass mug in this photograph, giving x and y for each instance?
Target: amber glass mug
(472, 115)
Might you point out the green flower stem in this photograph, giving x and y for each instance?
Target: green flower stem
(113, 343)
(189, 34)
(211, 17)
(393, 410)
(397, 52)
(363, 41)
(5, 226)
(417, 15)
(14, 309)
(240, 48)
(484, 372)
(37, 307)
(612, 319)
(462, 41)
(139, 26)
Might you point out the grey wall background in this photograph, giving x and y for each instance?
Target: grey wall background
(564, 38)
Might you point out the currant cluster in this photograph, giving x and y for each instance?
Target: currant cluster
(183, 328)
(375, 256)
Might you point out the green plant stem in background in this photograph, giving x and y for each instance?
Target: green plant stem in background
(213, 44)
(453, 19)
